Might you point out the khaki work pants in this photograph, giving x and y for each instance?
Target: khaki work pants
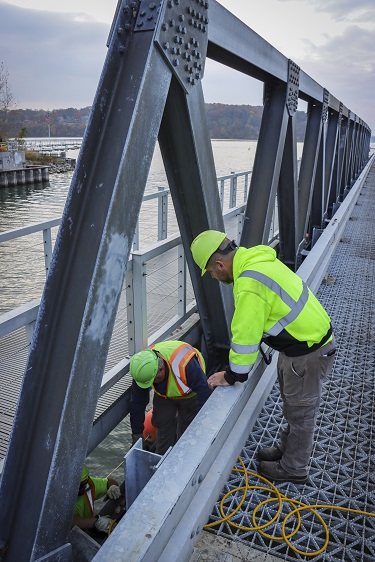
(300, 379)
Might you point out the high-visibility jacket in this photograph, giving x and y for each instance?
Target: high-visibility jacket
(177, 355)
(84, 506)
(274, 305)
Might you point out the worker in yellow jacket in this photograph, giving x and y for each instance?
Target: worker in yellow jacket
(272, 304)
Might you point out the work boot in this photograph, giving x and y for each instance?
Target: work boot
(274, 471)
(269, 454)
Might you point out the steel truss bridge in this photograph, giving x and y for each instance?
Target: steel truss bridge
(150, 89)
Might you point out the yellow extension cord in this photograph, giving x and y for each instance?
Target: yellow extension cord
(296, 505)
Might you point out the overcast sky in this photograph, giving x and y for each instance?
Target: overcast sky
(54, 51)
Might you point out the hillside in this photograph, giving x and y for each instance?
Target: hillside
(224, 122)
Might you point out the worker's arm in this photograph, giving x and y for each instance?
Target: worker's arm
(197, 381)
(84, 523)
(139, 400)
(251, 311)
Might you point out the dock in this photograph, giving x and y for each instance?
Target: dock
(24, 176)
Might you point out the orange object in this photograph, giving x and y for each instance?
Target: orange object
(149, 431)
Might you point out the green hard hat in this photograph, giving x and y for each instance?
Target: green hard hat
(85, 473)
(204, 245)
(143, 367)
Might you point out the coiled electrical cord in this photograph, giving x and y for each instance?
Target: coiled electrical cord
(297, 508)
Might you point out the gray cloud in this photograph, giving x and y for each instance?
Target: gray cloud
(345, 65)
(50, 56)
(344, 9)
(54, 61)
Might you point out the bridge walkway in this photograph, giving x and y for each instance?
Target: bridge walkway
(342, 471)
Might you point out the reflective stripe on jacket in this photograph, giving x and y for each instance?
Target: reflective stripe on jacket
(177, 355)
(272, 304)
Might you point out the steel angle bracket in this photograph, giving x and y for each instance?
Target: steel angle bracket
(292, 87)
(182, 36)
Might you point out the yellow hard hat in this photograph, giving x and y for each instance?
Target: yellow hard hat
(143, 367)
(204, 245)
(85, 473)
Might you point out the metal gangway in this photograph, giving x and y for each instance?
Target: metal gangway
(52, 144)
(151, 89)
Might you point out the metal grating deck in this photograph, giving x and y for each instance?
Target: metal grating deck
(342, 465)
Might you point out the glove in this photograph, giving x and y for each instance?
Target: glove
(113, 492)
(103, 523)
(136, 436)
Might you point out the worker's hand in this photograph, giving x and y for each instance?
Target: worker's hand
(103, 523)
(148, 445)
(113, 492)
(136, 436)
(217, 379)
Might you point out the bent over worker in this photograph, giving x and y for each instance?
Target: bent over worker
(91, 489)
(272, 304)
(176, 372)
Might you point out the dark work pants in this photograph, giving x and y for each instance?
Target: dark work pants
(171, 418)
(300, 379)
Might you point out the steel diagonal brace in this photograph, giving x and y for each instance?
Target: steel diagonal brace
(73, 331)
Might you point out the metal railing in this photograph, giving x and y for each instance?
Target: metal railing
(233, 190)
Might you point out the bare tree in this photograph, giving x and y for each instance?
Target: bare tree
(7, 100)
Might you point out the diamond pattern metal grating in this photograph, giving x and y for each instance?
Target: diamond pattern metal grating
(342, 465)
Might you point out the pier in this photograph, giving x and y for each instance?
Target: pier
(57, 147)
(24, 176)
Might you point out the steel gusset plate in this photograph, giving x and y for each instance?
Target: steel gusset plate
(182, 36)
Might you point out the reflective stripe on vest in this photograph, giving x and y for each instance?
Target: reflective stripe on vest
(90, 499)
(178, 362)
(295, 306)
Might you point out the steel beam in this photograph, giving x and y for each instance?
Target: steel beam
(67, 358)
(267, 165)
(288, 182)
(309, 163)
(190, 168)
(331, 165)
(287, 197)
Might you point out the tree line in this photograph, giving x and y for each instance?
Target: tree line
(224, 122)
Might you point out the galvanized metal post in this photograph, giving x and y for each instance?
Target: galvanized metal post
(232, 191)
(47, 241)
(139, 301)
(182, 276)
(130, 312)
(222, 194)
(162, 214)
